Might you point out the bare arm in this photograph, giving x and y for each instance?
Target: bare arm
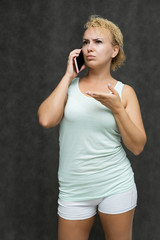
(130, 122)
(51, 110)
(128, 116)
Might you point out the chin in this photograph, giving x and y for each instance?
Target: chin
(91, 64)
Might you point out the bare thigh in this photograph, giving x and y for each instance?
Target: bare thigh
(117, 226)
(74, 229)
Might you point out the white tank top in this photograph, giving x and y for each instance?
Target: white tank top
(93, 163)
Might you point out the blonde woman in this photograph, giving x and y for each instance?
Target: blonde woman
(95, 113)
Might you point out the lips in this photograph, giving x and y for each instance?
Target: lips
(90, 57)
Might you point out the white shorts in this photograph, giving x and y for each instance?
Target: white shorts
(116, 204)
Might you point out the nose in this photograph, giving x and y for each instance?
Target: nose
(90, 47)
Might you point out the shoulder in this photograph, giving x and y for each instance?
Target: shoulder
(74, 81)
(128, 95)
(73, 84)
(127, 90)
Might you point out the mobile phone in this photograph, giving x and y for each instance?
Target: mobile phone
(79, 62)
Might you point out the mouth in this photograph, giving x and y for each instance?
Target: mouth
(90, 57)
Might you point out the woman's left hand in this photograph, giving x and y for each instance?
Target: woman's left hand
(127, 116)
(110, 100)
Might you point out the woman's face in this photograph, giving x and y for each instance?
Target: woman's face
(97, 47)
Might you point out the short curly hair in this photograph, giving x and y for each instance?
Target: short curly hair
(117, 37)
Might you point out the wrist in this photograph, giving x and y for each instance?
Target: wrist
(68, 78)
(118, 111)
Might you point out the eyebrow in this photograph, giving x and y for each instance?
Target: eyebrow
(94, 39)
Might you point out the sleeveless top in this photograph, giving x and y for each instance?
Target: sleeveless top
(93, 163)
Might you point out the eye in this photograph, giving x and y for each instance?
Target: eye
(85, 42)
(98, 41)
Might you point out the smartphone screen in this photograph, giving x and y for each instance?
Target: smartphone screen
(79, 62)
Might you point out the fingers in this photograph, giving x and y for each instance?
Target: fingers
(83, 67)
(98, 94)
(74, 53)
(113, 91)
(101, 94)
(70, 70)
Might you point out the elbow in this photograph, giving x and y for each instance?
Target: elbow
(42, 121)
(45, 123)
(139, 149)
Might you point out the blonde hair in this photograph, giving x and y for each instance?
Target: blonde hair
(117, 37)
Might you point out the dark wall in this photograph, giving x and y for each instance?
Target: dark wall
(35, 40)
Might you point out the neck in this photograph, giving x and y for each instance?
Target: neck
(98, 75)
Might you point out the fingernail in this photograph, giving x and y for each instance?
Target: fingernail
(89, 92)
(109, 84)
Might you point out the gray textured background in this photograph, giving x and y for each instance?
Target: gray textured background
(35, 40)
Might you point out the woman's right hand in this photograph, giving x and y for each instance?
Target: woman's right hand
(51, 110)
(70, 70)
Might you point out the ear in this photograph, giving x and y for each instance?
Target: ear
(115, 51)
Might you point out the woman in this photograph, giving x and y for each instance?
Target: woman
(95, 112)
